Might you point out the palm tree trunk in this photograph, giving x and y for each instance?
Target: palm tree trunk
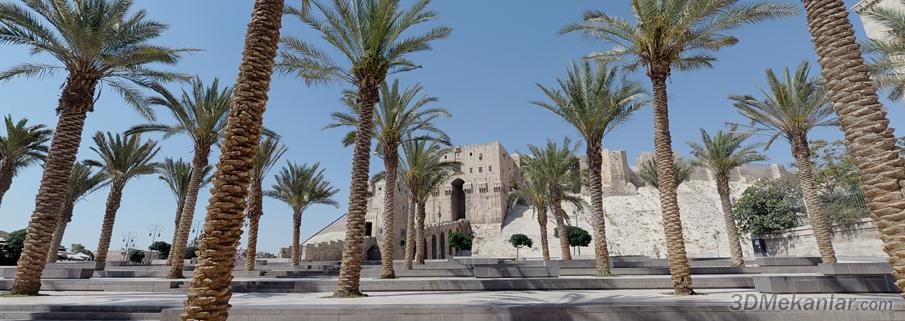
(560, 214)
(251, 252)
(103, 244)
(735, 247)
(669, 204)
(209, 293)
(199, 161)
(388, 251)
(65, 218)
(295, 256)
(868, 137)
(420, 250)
(410, 233)
(6, 177)
(255, 211)
(75, 103)
(601, 251)
(542, 221)
(819, 223)
(179, 205)
(350, 270)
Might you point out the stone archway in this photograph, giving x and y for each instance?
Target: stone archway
(442, 246)
(433, 247)
(373, 253)
(457, 200)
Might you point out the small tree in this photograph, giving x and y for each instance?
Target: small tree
(459, 241)
(136, 256)
(162, 248)
(78, 248)
(518, 241)
(190, 252)
(577, 237)
(10, 252)
(769, 206)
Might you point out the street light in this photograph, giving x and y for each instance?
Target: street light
(154, 232)
(128, 244)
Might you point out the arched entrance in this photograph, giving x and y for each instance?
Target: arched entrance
(457, 200)
(442, 246)
(373, 253)
(433, 246)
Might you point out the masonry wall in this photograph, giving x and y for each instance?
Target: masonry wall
(857, 239)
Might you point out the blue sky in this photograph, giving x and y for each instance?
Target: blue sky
(485, 74)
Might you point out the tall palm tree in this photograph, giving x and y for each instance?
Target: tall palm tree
(721, 153)
(370, 36)
(201, 115)
(886, 62)
(560, 168)
(648, 172)
(83, 181)
(95, 43)
(121, 158)
(595, 102)
(177, 174)
(269, 152)
(23, 146)
(209, 293)
(423, 170)
(669, 34)
(301, 186)
(531, 188)
(791, 107)
(873, 147)
(399, 115)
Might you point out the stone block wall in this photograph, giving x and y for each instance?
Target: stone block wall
(860, 238)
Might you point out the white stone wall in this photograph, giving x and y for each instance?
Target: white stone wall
(634, 225)
(857, 239)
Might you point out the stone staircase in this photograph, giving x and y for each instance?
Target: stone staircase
(80, 312)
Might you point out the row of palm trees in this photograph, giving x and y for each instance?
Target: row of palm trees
(369, 37)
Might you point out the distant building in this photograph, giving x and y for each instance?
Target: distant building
(478, 195)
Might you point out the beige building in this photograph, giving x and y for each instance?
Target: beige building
(476, 200)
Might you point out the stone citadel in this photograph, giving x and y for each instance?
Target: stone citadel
(474, 201)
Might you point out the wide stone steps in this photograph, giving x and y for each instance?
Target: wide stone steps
(80, 312)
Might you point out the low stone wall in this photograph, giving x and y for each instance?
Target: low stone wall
(333, 250)
(860, 238)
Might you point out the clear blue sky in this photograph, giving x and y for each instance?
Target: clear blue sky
(485, 74)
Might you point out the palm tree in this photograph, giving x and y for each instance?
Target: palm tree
(886, 63)
(83, 181)
(648, 172)
(270, 150)
(399, 115)
(595, 102)
(560, 168)
(423, 170)
(209, 293)
(301, 186)
(200, 115)
(23, 146)
(121, 158)
(177, 174)
(669, 34)
(791, 108)
(95, 43)
(873, 147)
(531, 188)
(369, 34)
(721, 153)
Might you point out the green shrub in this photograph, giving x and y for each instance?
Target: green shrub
(162, 248)
(12, 250)
(459, 241)
(769, 206)
(136, 256)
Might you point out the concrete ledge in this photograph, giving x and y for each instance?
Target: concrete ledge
(826, 284)
(598, 312)
(790, 260)
(854, 268)
(53, 272)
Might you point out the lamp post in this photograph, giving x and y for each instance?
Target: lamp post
(128, 244)
(154, 232)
